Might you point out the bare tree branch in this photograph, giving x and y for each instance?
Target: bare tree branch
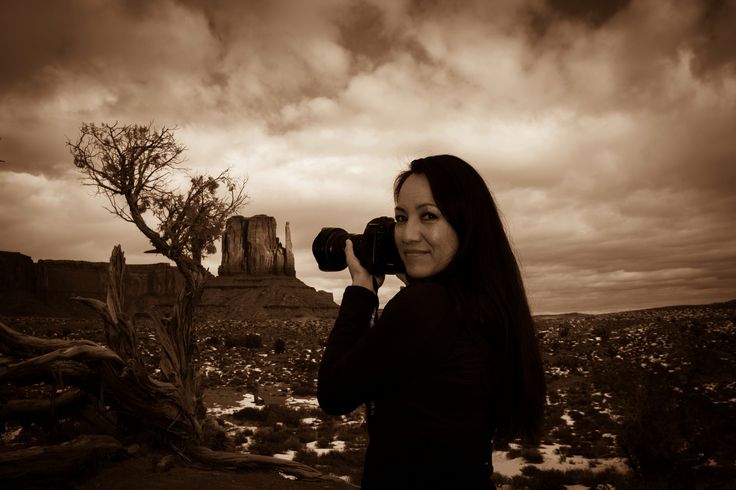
(132, 167)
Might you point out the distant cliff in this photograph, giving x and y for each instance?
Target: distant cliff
(43, 288)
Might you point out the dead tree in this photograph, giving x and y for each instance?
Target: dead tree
(115, 372)
(133, 167)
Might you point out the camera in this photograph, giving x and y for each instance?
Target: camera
(375, 248)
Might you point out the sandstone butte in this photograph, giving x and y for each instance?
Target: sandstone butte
(256, 280)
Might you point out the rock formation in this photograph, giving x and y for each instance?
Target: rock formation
(257, 279)
(250, 246)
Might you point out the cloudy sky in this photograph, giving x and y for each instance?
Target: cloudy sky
(606, 130)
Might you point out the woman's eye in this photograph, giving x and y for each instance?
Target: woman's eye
(429, 216)
(400, 219)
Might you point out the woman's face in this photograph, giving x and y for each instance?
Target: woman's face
(426, 241)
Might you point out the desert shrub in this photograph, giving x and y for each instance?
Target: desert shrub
(215, 436)
(241, 437)
(585, 449)
(665, 433)
(303, 389)
(532, 478)
(553, 396)
(611, 350)
(268, 442)
(270, 415)
(602, 332)
(324, 441)
(283, 414)
(213, 340)
(251, 340)
(547, 479)
(531, 454)
(348, 462)
(354, 434)
(564, 451)
(569, 361)
(251, 413)
(315, 412)
(650, 433)
(306, 434)
(293, 443)
(564, 435)
(513, 453)
(500, 444)
(305, 363)
(326, 434)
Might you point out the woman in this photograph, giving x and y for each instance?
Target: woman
(453, 360)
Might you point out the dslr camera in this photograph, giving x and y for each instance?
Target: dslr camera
(375, 248)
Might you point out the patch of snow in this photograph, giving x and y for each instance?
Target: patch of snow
(209, 368)
(288, 477)
(248, 401)
(302, 402)
(338, 446)
(512, 467)
(287, 455)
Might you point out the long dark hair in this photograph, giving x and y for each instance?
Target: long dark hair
(486, 281)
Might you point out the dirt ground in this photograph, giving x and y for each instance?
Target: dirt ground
(140, 473)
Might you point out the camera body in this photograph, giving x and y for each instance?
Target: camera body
(375, 248)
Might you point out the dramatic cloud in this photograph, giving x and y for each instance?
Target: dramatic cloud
(605, 129)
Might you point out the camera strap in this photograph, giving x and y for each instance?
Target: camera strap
(370, 405)
(375, 288)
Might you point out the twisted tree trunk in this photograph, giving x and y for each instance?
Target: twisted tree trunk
(115, 376)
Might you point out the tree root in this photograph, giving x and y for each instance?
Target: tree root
(39, 462)
(230, 460)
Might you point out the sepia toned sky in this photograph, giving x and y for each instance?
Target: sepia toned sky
(606, 130)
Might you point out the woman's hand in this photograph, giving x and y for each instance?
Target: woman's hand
(360, 276)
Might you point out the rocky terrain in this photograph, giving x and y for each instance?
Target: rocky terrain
(640, 399)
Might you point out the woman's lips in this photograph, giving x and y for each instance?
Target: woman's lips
(415, 252)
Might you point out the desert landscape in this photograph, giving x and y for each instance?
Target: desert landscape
(178, 133)
(637, 399)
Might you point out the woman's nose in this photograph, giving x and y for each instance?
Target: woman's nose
(410, 231)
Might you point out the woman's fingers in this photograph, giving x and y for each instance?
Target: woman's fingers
(359, 274)
(354, 265)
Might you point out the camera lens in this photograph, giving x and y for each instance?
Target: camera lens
(328, 249)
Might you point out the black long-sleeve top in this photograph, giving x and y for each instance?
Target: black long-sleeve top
(429, 379)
